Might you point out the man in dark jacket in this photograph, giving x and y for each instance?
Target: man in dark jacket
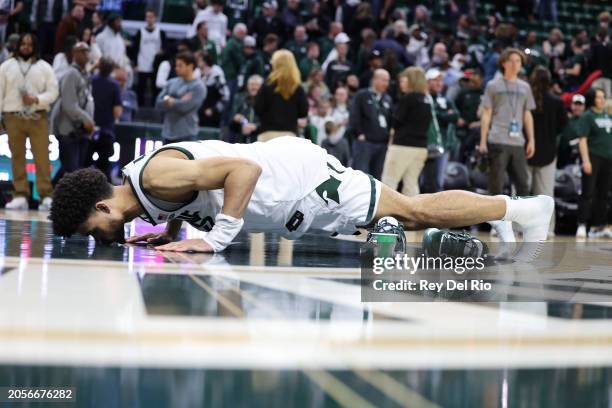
(108, 108)
(369, 120)
(267, 23)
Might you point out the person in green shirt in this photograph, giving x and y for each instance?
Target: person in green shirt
(575, 71)
(569, 136)
(232, 58)
(200, 41)
(327, 43)
(310, 62)
(299, 43)
(595, 131)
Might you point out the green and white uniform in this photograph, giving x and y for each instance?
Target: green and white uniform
(301, 188)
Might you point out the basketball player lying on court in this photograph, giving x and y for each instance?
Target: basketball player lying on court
(287, 186)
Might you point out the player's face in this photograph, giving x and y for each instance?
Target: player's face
(105, 226)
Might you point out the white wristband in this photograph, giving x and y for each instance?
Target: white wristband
(223, 233)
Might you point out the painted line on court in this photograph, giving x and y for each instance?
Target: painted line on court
(394, 389)
(337, 390)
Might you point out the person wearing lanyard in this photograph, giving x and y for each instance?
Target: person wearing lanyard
(506, 120)
(369, 121)
(595, 130)
(28, 88)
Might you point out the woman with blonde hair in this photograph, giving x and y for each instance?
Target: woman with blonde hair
(408, 146)
(281, 101)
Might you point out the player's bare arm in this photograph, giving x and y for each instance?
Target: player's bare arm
(171, 176)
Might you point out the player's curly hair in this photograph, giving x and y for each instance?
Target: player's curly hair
(74, 199)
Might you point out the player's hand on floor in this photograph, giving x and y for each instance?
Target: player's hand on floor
(187, 245)
(151, 238)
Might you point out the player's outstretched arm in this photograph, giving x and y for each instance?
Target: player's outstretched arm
(176, 177)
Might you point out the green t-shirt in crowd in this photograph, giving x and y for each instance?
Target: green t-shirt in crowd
(597, 128)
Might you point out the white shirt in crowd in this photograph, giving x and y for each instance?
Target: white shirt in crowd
(340, 115)
(112, 45)
(417, 49)
(319, 123)
(150, 45)
(37, 79)
(217, 26)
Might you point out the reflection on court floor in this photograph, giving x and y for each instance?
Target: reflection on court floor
(278, 323)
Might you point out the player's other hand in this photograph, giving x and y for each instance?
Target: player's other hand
(151, 238)
(187, 245)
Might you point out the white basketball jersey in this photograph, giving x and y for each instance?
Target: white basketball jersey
(292, 168)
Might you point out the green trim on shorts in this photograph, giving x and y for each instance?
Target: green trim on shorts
(372, 199)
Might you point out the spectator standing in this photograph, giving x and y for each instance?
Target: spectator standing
(281, 101)
(549, 120)
(339, 67)
(253, 63)
(554, 48)
(232, 57)
(27, 89)
(166, 69)
(8, 10)
(311, 61)
(327, 43)
(299, 44)
(107, 110)
(574, 71)
(340, 112)
(149, 42)
(69, 26)
(319, 119)
(267, 23)
(129, 99)
(180, 99)
(61, 61)
(217, 93)
(245, 123)
(569, 136)
(468, 102)
(201, 43)
(111, 42)
(94, 51)
(290, 16)
(45, 18)
(444, 119)
(370, 121)
(506, 113)
(216, 22)
(595, 130)
(411, 120)
(73, 114)
(601, 55)
(375, 61)
(270, 45)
